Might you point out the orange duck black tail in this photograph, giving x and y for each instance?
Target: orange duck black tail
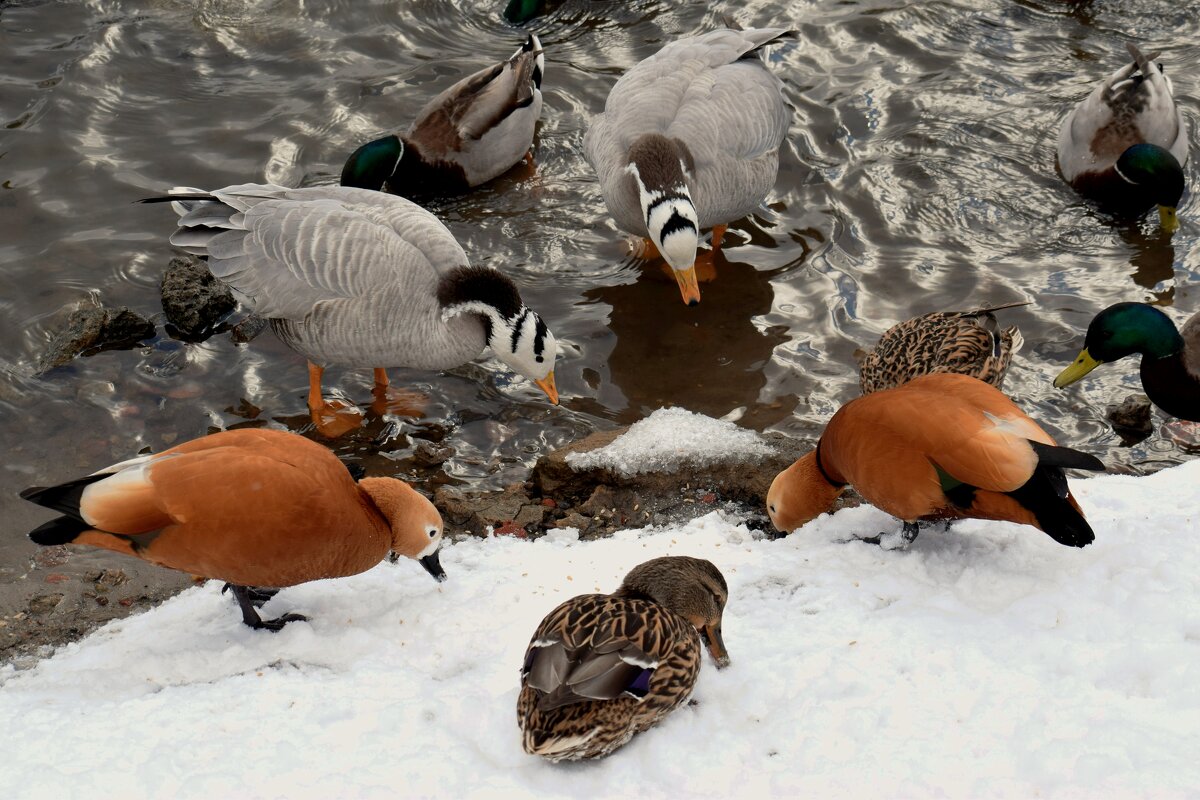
(64, 498)
(1047, 497)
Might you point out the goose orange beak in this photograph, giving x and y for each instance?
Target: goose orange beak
(689, 287)
(546, 384)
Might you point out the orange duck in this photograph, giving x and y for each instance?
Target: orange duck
(940, 447)
(254, 508)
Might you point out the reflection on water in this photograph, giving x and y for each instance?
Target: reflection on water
(918, 175)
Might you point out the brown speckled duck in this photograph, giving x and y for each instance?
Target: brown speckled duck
(603, 667)
(962, 342)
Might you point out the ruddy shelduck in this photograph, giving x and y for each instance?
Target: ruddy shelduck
(254, 508)
(940, 447)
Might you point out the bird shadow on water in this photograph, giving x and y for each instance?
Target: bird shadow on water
(1153, 261)
(709, 358)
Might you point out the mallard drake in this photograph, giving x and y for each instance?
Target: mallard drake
(963, 342)
(253, 507)
(518, 11)
(1170, 358)
(470, 133)
(360, 279)
(689, 139)
(940, 447)
(1126, 143)
(603, 667)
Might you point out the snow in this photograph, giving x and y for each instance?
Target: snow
(984, 662)
(671, 438)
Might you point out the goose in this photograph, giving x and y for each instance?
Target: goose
(1126, 143)
(603, 667)
(966, 342)
(357, 278)
(689, 139)
(469, 134)
(1170, 368)
(940, 447)
(252, 507)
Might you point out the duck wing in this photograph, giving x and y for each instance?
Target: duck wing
(479, 103)
(1135, 104)
(287, 250)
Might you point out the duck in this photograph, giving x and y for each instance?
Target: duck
(689, 139)
(964, 342)
(1125, 145)
(938, 448)
(601, 668)
(357, 278)
(253, 507)
(470, 133)
(1170, 368)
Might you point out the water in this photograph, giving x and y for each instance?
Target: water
(918, 175)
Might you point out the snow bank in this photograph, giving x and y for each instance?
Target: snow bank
(987, 661)
(669, 439)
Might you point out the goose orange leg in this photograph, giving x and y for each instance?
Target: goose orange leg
(332, 418)
(706, 262)
(387, 400)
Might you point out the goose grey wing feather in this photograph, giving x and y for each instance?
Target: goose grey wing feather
(286, 250)
(726, 107)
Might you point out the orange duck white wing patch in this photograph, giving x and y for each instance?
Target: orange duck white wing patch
(126, 502)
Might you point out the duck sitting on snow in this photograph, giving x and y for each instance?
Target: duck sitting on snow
(356, 278)
(1170, 358)
(963, 342)
(252, 507)
(1126, 143)
(603, 667)
(940, 447)
(689, 139)
(472, 132)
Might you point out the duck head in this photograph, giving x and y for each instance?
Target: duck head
(1122, 330)
(416, 525)
(373, 164)
(515, 332)
(1158, 173)
(693, 588)
(800, 493)
(660, 167)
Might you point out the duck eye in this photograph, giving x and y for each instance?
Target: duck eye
(539, 359)
(432, 533)
(771, 508)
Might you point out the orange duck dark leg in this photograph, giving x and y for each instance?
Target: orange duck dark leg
(245, 597)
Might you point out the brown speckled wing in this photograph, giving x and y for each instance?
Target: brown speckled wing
(587, 684)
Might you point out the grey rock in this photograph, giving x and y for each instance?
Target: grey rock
(194, 301)
(91, 329)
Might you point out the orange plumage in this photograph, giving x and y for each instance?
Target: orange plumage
(250, 507)
(942, 446)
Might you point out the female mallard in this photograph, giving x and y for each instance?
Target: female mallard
(470, 133)
(603, 667)
(689, 139)
(360, 279)
(964, 342)
(940, 447)
(1170, 358)
(252, 507)
(1126, 143)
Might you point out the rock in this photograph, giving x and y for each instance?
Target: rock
(428, 454)
(193, 300)
(476, 512)
(1131, 419)
(43, 604)
(248, 328)
(94, 328)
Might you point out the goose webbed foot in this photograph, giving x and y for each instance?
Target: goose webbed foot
(333, 418)
(245, 598)
(401, 402)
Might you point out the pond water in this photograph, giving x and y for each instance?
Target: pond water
(918, 175)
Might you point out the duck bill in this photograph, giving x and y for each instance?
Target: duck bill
(1082, 366)
(433, 566)
(689, 286)
(1168, 218)
(546, 384)
(711, 634)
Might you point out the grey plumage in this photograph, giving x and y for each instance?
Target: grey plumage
(710, 93)
(346, 276)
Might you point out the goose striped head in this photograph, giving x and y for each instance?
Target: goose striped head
(515, 332)
(660, 167)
